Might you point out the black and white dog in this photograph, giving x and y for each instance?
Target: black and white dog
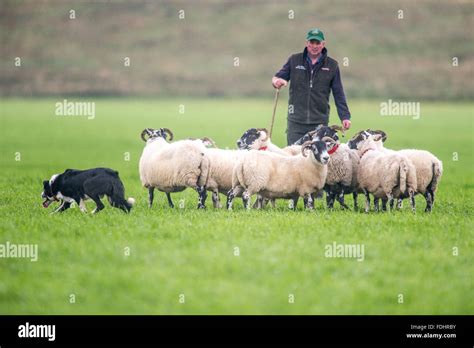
(78, 185)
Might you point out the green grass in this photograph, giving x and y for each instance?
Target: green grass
(190, 252)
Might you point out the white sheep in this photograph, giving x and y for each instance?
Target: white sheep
(275, 176)
(342, 168)
(342, 175)
(429, 168)
(219, 179)
(173, 167)
(384, 175)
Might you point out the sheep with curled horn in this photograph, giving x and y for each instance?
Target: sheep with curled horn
(342, 175)
(275, 176)
(171, 167)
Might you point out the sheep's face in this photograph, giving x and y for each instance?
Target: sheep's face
(150, 134)
(325, 131)
(357, 139)
(368, 142)
(254, 138)
(378, 132)
(320, 151)
(363, 135)
(320, 132)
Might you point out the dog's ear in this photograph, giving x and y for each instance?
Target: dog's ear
(45, 183)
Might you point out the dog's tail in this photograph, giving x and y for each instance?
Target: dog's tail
(117, 198)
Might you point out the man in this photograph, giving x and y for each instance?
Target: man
(313, 74)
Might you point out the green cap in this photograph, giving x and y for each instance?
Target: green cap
(315, 34)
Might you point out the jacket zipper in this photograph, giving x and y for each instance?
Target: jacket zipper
(309, 94)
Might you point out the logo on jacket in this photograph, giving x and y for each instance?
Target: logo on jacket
(325, 69)
(301, 67)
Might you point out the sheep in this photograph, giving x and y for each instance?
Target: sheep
(219, 179)
(384, 175)
(342, 175)
(341, 178)
(275, 176)
(429, 169)
(341, 172)
(342, 169)
(173, 167)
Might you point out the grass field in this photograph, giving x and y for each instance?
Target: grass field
(190, 252)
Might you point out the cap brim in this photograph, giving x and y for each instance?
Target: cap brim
(314, 38)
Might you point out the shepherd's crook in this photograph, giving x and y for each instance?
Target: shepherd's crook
(277, 93)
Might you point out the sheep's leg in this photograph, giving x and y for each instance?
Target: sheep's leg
(429, 202)
(432, 193)
(340, 199)
(202, 192)
(412, 201)
(356, 204)
(391, 205)
(400, 203)
(273, 203)
(293, 203)
(246, 199)
(376, 204)
(230, 199)
(151, 196)
(309, 201)
(390, 200)
(330, 196)
(215, 199)
(259, 202)
(367, 201)
(233, 192)
(384, 204)
(170, 202)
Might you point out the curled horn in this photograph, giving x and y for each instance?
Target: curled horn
(339, 128)
(263, 130)
(305, 145)
(331, 140)
(166, 130)
(312, 134)
(146, 131)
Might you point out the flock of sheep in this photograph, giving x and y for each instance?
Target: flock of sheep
(316, 162)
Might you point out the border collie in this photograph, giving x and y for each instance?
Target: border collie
(78, 185)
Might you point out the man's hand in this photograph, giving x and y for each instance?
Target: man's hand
(346, 124)
(278, 82)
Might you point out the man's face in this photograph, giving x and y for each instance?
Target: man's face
(315, 47)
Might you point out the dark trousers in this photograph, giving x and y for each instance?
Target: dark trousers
(295, 131)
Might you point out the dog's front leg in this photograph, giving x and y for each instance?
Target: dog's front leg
(65, 205)
(82, 206)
